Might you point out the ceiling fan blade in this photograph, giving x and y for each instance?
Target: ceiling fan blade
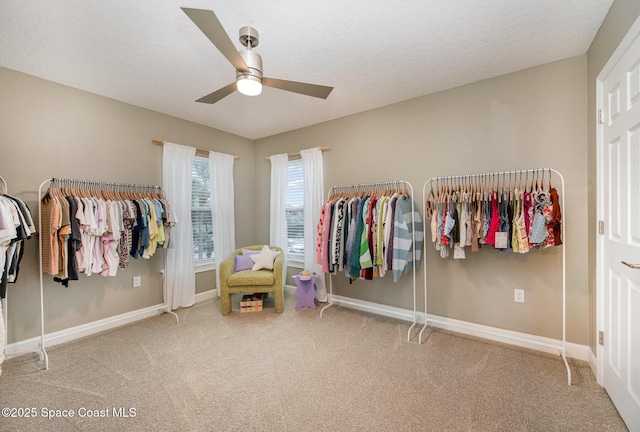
(298, 87)
(218, 94)
(208, 23)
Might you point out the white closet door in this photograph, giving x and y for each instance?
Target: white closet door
(621, 245)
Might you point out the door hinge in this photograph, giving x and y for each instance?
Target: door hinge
(600, 119)
(601, 227)
(601, 338)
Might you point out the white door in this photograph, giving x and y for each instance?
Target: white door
(619, 257)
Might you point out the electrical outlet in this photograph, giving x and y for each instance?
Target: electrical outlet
(136, 281)
(518, 296)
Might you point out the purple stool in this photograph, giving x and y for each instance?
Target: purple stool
(306, 292)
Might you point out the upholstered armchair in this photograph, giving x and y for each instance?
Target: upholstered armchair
(251, 281)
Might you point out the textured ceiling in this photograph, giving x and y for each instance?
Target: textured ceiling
(150, 54)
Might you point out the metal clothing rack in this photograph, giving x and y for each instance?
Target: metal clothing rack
(42, 353)
(91, 188)
(486, 179)
(371, 188)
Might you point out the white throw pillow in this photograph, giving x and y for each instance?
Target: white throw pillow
(265, 259)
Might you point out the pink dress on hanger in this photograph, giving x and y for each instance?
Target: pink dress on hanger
(495, 221)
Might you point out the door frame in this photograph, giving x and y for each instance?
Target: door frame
(621, 50)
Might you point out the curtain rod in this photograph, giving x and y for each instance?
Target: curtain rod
(197, 149)
(298, 153)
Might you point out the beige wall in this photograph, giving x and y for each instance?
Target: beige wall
(529, 119)
(539, 117)
(49, 130)
(621, 16)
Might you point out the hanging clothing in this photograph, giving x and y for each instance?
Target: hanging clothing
(555, 221)
(368, 236)
(513, 220)
(97, 235)
(16, 225)
(408, 224)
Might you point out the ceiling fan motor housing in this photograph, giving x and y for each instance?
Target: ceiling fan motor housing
(253, 62)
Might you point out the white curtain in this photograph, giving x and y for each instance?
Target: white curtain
(312, 172)
(180, 283)
(277, 215)
(222, 208)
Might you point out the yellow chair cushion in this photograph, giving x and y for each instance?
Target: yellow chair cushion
(251, 278)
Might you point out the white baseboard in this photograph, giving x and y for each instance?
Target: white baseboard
(384, 310)
(524, 340)
(77, 332)
(576, 351)
(207, 295)
(83, 330)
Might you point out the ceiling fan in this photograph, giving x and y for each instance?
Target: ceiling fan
(248, 63)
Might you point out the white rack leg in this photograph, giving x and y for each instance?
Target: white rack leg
(43, 353)
(174, 314)
(164, 289)
(330, 296)
(564, 278)
(6, 333)
(424, 258)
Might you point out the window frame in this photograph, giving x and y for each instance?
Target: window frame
(204, 264)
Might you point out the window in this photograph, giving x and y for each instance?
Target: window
(294, 209)
(201, 212)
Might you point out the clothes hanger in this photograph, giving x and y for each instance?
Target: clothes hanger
(472, 187)
(119, 192)
(522, 186)
(430, 194)
(63, 184)
(532, 183)
(116, 190)
(72, 190)
(539, 182)
(106, 192)
(534, 176)
(49, 194)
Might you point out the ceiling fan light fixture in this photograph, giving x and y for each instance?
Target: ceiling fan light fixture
(249, 85)
(249, 82)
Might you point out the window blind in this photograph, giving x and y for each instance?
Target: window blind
(294, 208)
(201, 210)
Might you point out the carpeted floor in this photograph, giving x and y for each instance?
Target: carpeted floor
(347, 371)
